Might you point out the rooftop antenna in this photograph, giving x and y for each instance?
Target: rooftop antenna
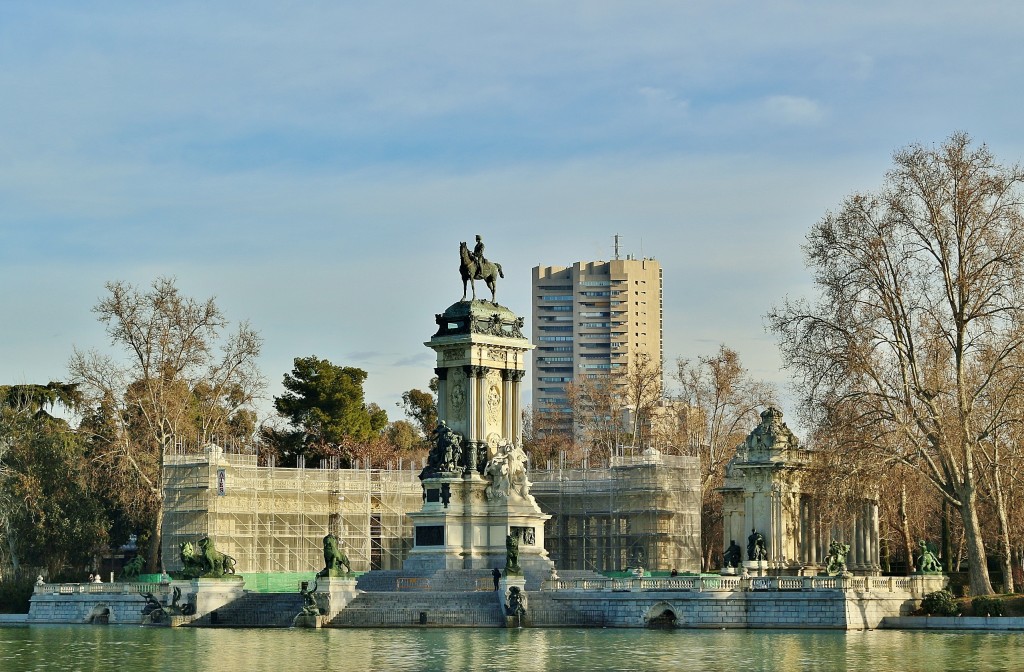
(616, 246)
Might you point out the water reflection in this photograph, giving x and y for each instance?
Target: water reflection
(98, 648)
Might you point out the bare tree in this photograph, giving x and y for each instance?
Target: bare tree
(723, 403)
(641, 391)
(546, 439)
(727, 403)
(598, 407)
(173, 383)
(915, 340)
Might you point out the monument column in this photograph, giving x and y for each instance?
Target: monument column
(515, 378)
(748, 515)
(802, 555)
(876, 551)
(473, 407)
(442, 392)
(507, 427)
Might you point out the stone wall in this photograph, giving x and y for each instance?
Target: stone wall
(693, 602)
(112, 608)
(848, 603)
(819, 609)
(122, 603)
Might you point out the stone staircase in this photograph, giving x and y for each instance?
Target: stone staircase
(255, 610)
(461, 580)
(426, 608)
(453, 580)
(380, 580)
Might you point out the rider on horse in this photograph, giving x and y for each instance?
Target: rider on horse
(478, 255)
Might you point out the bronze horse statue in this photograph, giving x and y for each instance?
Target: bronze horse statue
(489, 272)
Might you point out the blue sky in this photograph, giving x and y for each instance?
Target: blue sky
(314, 165)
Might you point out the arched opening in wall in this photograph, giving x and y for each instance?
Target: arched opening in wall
(100, 615)
(661, 616)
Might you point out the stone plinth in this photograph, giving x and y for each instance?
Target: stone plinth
(469, 530)
(504, 593)
(333, 594)
(756, 567)
(212, 594)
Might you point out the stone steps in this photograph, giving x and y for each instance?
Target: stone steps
(252, 610)
(381, 580)
(427, 608)
(457, 580)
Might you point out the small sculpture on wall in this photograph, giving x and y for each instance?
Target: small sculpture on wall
(927, 562)
(445, 454)
(507, 472)
(512, 555)
(835, 561)
(756, 549)
(516, 605)
(733, 555)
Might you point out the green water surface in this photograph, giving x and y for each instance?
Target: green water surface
(116, 648)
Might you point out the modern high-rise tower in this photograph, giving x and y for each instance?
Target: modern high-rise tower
(591, 319)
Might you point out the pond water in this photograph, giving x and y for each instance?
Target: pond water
(115, 648)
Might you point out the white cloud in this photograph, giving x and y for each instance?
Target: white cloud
(792, 110)
(314, 164)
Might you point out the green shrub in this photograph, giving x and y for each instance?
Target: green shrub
(983, 605)
(15, 594)
(940, 603)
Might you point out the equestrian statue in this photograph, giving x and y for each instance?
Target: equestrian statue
(476, 267)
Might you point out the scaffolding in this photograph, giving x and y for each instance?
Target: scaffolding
(273, 520)
(639, 511)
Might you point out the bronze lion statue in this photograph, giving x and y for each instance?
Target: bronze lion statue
(334, 558)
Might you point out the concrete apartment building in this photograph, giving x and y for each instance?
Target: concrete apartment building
(590, 319)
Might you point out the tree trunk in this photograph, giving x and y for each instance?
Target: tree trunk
(908, 547)
(153, 561)
(12, 549)
(977, 562)
(947, 543)
(1005, 559)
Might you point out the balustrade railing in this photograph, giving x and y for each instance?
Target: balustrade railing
(116, 588)
(757, 583)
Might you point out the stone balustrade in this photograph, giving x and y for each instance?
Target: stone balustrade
(116, 588)
(919, 585)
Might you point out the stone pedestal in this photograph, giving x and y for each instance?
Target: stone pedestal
(333, 594)
(467, 530)
(756, 567)
(212, 594)
(475, 486)
(504, 594)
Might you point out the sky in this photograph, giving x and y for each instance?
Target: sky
(314, 165)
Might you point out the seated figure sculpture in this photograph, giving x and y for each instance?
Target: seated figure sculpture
(445, 455)
(756, 549)
(733, 555)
